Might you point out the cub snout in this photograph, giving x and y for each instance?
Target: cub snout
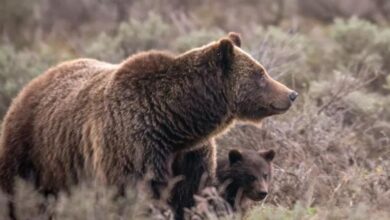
(261, 195)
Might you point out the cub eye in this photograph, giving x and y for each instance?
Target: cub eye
(265, 176)
(252, 178)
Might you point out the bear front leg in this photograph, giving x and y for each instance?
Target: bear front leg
(160, 160)
(195, 166)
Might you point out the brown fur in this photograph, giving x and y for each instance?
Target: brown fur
(115, 123)
(197, 168)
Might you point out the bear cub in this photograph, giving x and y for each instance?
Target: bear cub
(245, 176)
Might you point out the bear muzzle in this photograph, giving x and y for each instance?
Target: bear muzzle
(292, 96)
(280, 107)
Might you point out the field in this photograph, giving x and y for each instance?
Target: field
(333, 146)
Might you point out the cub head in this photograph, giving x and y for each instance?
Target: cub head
(251, 171)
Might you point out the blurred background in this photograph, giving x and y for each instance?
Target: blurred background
(333, 146)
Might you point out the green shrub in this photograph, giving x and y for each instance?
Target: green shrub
(362, 45)
(130, 37)
(354, 35)
(105, 48)
(383, 47)
(356, 44)
(196, 38)
(17, 20)
(283, 54)
(153, 33)
(17, 67)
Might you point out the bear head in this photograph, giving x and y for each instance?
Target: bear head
(251, 92)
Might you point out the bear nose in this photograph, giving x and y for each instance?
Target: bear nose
(292, 96)
(262, 195)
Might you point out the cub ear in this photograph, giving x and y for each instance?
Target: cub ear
(268, 155)
(226, 53)
(235, 38)
(235, 156)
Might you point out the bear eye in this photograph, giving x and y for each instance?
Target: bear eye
(265, 176)
(252, 178)
(261, 76)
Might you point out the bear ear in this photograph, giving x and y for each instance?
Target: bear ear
(268, 155)
(235, 38)
(235, 156)
(225, 53)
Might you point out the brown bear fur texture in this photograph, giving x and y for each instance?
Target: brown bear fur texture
(115, 123)
(197, 168)
(245, 176)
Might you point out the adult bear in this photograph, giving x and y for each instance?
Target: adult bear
(115, 123)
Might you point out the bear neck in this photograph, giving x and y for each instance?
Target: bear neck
(184, 103)
(201, 111)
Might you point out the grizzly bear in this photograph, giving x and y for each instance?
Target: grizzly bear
(245, 175)
(117, 122)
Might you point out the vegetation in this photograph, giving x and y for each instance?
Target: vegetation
(333, 146)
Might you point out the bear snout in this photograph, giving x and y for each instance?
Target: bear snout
(280, 108)
(285, 103)
(292, 96)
